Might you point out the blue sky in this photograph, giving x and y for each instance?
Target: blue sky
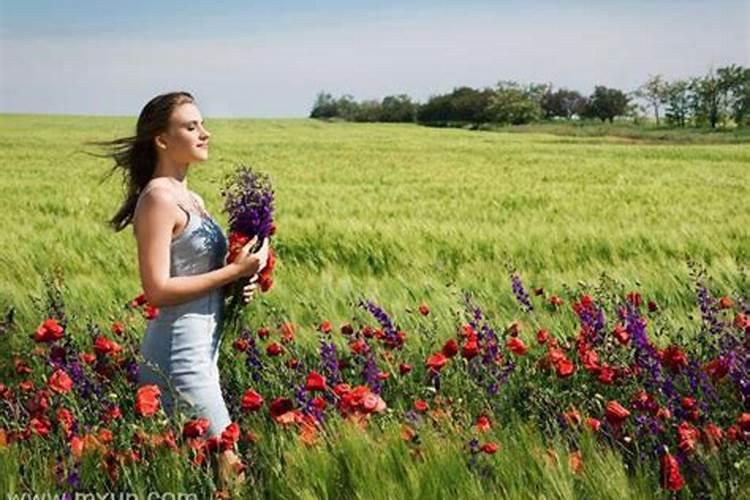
(269, 59)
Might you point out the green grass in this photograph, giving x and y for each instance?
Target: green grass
(399, 214)
(390, 212)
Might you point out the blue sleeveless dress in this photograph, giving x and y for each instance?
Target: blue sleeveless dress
(181, 345)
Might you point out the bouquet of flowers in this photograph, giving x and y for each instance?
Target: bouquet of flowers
(248, 203)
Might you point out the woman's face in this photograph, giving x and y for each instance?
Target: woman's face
(186, 140)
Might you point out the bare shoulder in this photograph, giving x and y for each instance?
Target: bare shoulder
(200, 200)
(156, 199)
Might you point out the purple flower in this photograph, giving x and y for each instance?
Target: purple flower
(248, 202)
(392, 338)
(520, 292)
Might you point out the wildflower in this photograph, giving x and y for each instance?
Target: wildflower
(274, 349)
(49, 331)
(118, 328)
(616, 413)
(325, 327)
(315, 382)
(483, 423)
(489, 448)
(421, 406)
(104, 346)
(437, 361)
(60, 382)
(251, 401)
(450, 348)
(516, 346)
(725, 302)
(671, 478)
(147, 400)
(404, 368)
(542, 336)
(424, 310)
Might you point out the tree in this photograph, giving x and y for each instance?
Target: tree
(654, 91)
(735, 84)
(398, 108)
(515, 104)
(707, 93)
(606, 103)
(561, 103)
(324, 107)
(367, 111)
(678, 103)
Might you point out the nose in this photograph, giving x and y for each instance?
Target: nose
(206, 134)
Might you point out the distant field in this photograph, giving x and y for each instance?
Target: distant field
(392, 212)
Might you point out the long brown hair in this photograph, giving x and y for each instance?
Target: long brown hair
(136, 155)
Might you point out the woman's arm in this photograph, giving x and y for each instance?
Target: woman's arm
(153, 228)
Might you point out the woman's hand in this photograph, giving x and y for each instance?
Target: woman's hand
(250, 264)
(249, 290)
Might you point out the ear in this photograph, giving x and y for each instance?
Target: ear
(159, 142)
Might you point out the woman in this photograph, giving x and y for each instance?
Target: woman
(181, 257)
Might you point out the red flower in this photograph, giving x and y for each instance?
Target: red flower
(347, 329)
(105, 346)
(565, 368)
(88, 357)
(556, 301)
(49, 331)
(118, 328)
(606, 375)
(616, 413)
(421, 405)
(635, 299)
(674, 358)
(437, 361)
(195, 428)
(147, 400)
(483, 423)
(450, 348)
(325, 327)
(744, 422)
(279, 406)
(470, 349)
(621, 334)
(423, 309)
(516, 346)
(65, 420)
(652, 306)
(590, 361)
(274, 349)
(404, 368)
(542, 336)
(60, 381)
(40, 426)
(490, 448)
(671, 478)
(315, 382)
(288, 330)
(687, 437)
(251, 400)
(138, 301)
(240, 345)
(263, 332)
(229, 436)
(717, 368)
(359, 346)
(593, 424)
(150, 312)
(725, 302)
(713, 434)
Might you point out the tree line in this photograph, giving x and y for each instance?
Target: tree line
(717, 99)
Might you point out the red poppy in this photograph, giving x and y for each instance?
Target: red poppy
(150, 312)
(542, 336)
(288, 330)
(437, 361)
(565, 368)
(421, 405)
(470, 349)
(118, 328)
(112, 413)
(572, 417)
(423, 309)
(49, 331)
(279, 406)
(404, 368)
(88, 357)
(138, 301)
(274, 349)
(483, 423)
(359, 346)
(251, 401)
(240, 345)
(635, 299)
(606, 375)
(325, 327)
(652, 306)
(490, 448)
(65, 420)
(467, 331)
(147, 400)
(593, 424)
(744, 422)
(263, 332)
(671, 478)
(230, 435)
(516, 346)
(556, 301)
(450, 348)
(687, 437)
(616, 413)
(60, 381)
(717, 368)
(725, 302)
(315, 382)
(590, 360)
(713, 434)
(105, 346)
(40, 426)
(621, 334)
(674, 358)
(347, 329)
(513, 329)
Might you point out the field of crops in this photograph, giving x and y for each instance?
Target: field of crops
(503, 235)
